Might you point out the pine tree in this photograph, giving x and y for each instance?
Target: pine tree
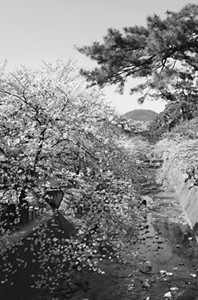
(164, 53)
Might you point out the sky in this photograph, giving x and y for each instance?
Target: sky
(36, 30)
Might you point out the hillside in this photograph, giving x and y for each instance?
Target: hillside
(141, 115)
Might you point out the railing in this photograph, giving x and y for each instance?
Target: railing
(12, 215)
(35, 212)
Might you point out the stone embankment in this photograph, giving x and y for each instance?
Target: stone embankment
(180, 170)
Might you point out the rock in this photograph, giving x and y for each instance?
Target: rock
(146, 268)
(168, 295)
(146, 284)
(162, 272)
(130, 287)
(174, 289)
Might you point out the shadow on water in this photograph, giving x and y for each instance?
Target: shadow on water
(34, 261)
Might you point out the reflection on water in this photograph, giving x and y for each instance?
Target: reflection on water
(166, 244)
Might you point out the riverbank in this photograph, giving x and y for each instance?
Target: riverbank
(180, 170)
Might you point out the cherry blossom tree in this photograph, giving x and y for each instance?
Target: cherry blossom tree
(55, 132)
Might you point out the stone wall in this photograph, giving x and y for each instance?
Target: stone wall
(178, 157)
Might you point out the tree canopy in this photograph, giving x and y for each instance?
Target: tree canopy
(164, 53)
(46, 117)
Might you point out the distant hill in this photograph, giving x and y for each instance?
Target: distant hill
(141, 115)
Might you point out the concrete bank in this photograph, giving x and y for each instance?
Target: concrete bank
(180, 159)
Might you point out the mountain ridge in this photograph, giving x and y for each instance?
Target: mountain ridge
(141, 115)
